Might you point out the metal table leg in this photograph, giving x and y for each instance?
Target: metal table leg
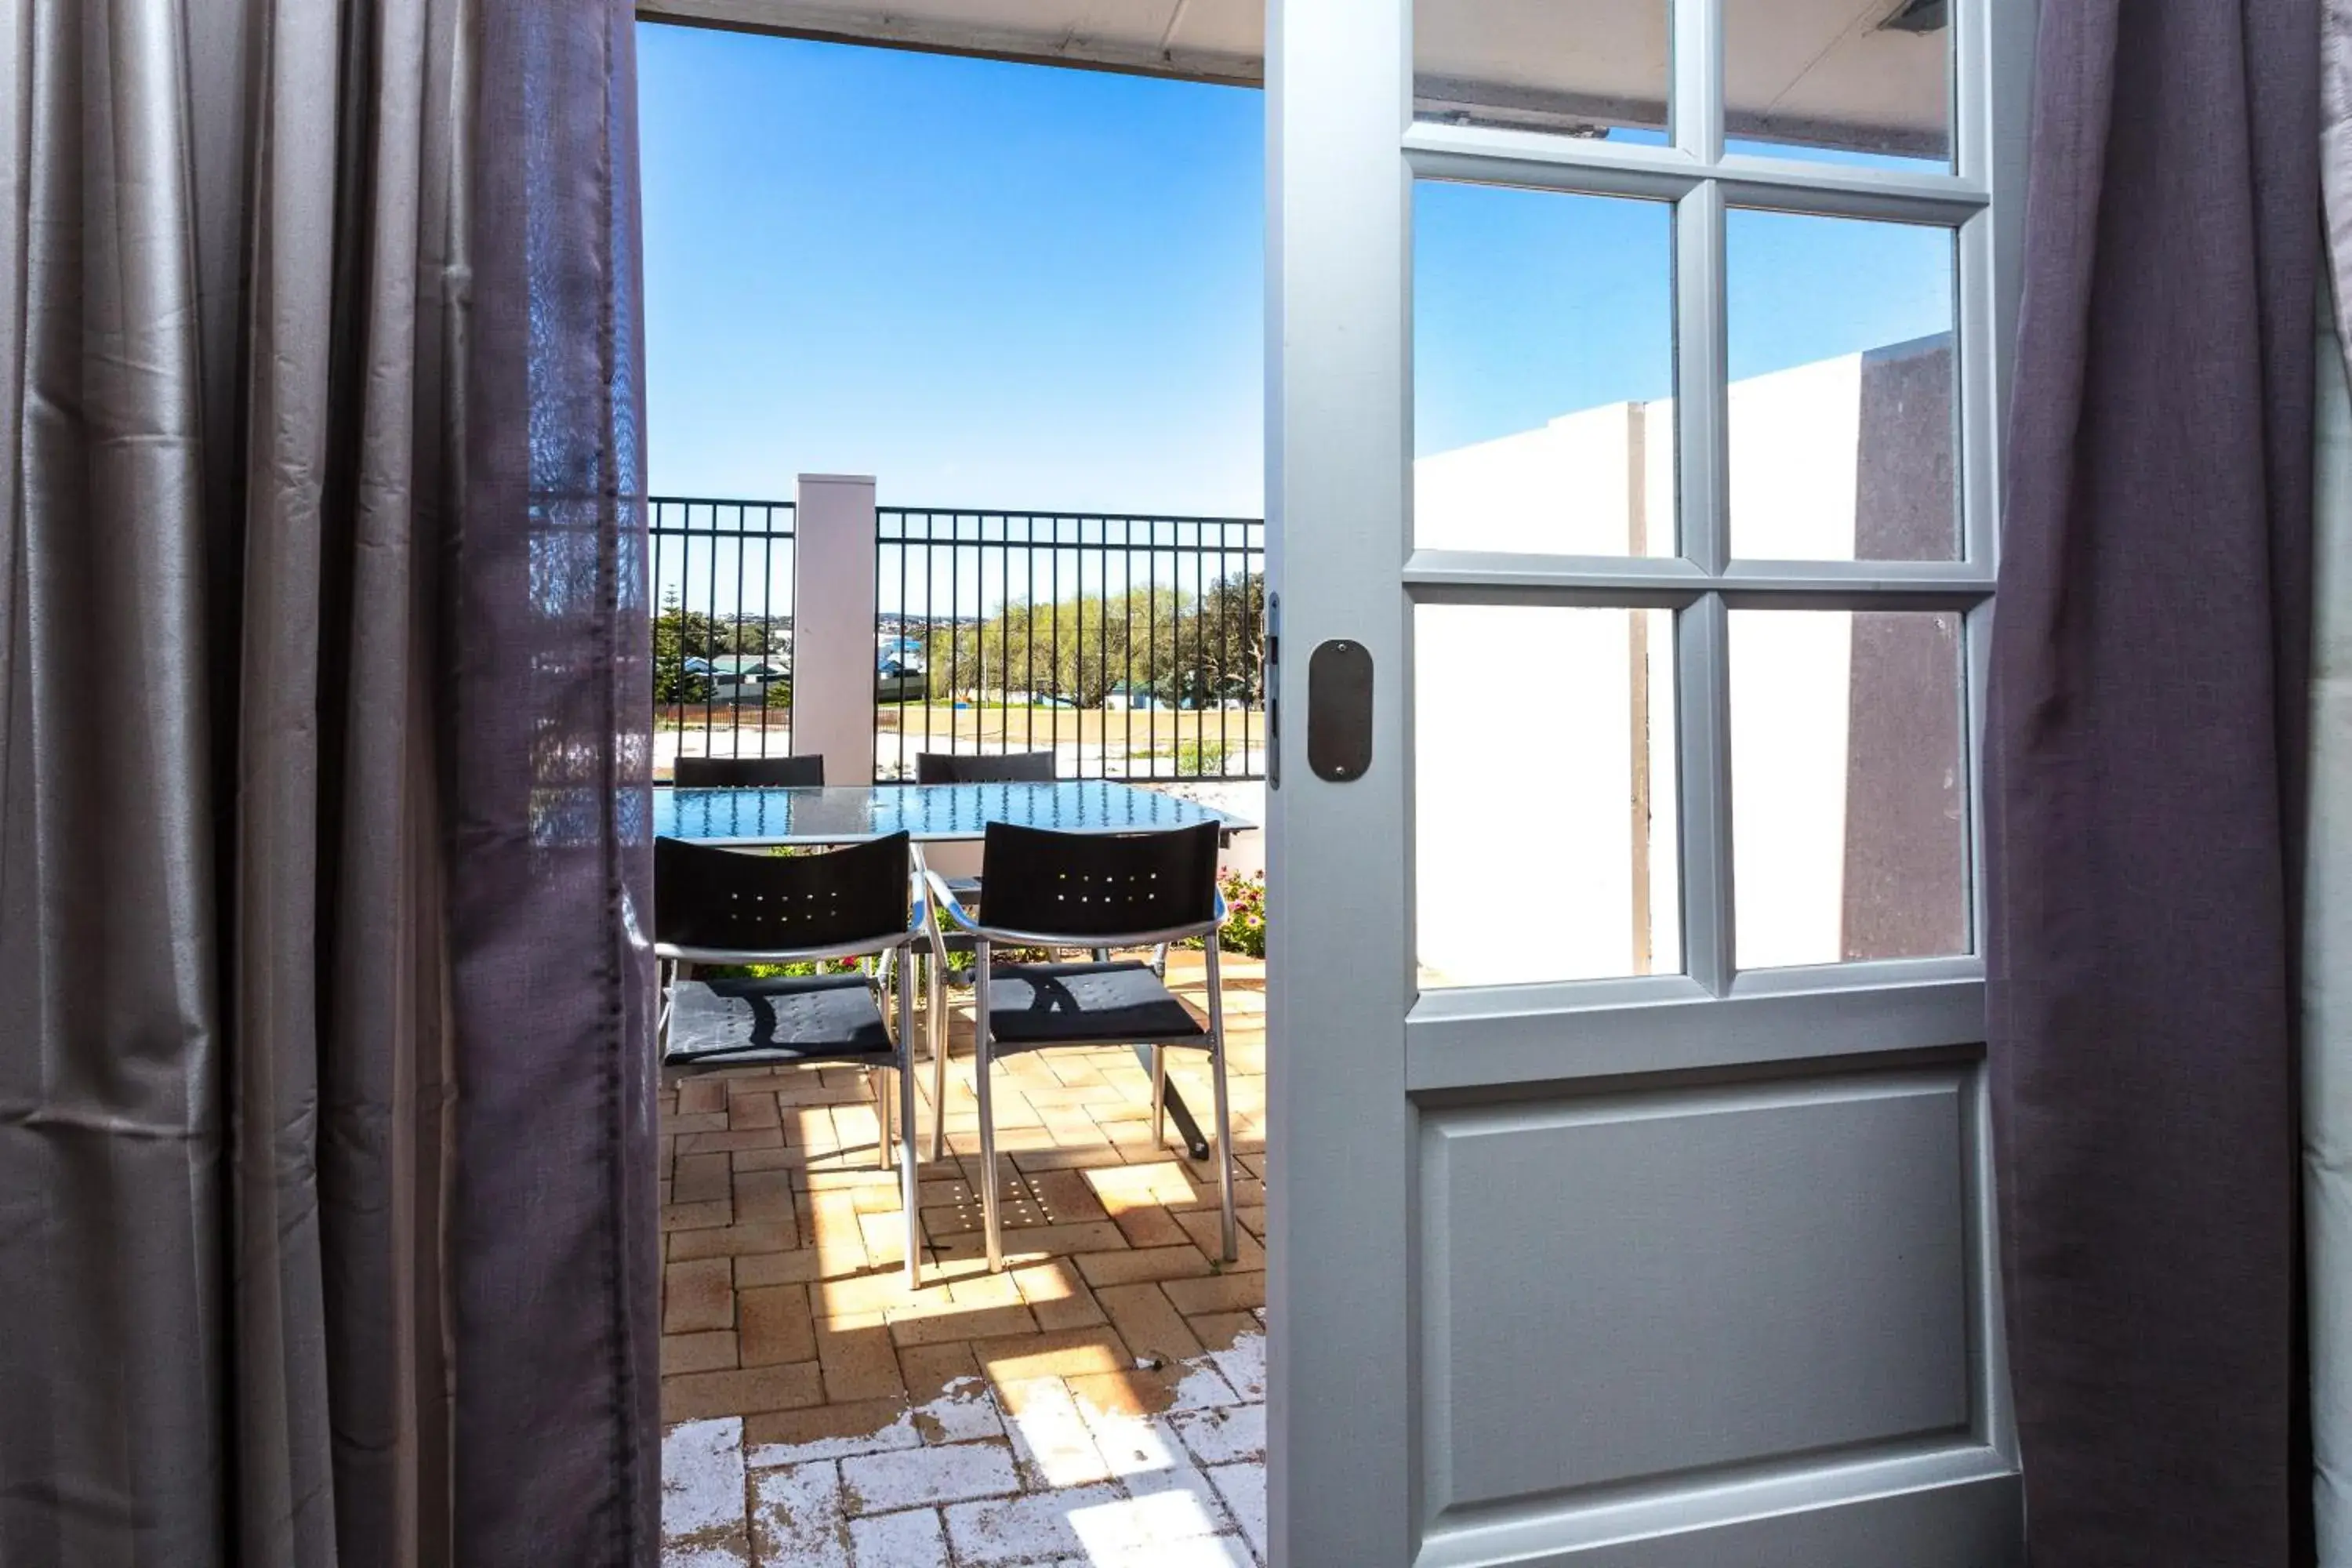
(1179, 1112)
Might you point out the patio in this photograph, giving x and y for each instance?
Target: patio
(1100, 1402)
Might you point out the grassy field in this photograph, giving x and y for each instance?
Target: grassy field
(1145, 742)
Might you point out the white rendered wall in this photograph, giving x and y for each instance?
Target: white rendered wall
(1795, 440)
(1538, 856)
(1576, 485)
(1527, 820)
(1525, 718)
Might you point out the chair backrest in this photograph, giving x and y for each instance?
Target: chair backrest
(1098, 884)
(724, 900)
(1005, 767)
(749, 773)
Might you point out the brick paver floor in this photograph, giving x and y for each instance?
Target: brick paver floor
(1100, 1402)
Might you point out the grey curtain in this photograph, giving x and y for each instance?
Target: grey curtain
(326, 1148)
(2145, 783)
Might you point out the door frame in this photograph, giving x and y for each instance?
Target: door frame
(1356, 1052)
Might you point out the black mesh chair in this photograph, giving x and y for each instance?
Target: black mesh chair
(717, 907)
(749, 773)
(970, 767)
(1098, 892)
(1004, 767)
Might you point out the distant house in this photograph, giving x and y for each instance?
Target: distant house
(741, 677)
(1138, 699)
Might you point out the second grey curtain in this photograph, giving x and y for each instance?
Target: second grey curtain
(326, 1192)
(2144, 786)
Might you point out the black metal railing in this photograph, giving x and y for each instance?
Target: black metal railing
(723, 597)
(1128, 646)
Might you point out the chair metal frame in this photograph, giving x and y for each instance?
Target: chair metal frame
(677, 963)
(985, 937)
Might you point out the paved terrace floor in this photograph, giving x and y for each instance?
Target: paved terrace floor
(1100, 1402)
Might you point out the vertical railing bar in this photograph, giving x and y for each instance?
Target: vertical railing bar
(1176, 642)
(1176, 650)
(1151, 646)
(926, 646)
(767, 604)
(1004, 632)
(1201, 652)
(1053, 720)
(898, 746)
(955, 622)
(905, 621)
(1225, 650)
(1029, 597)
(908, 525)
(1102, 640)
(659, 540)
(710, 631)
(735, 621)
(1127, 674)
(874, 697)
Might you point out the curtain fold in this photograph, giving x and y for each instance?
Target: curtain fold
(2327, 958)
(327, 1216)
(2144, 784)
(2327, 933)
(553, 763)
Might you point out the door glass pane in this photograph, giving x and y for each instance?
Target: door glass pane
(1595, 69)
(1846, 81)
(1848, 786)
(1840, 417)
(1543, 372)
(1545, 794)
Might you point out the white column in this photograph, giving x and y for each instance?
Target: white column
(832, 625)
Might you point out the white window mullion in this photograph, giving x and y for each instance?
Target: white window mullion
(1700, 380)
(1703, 676)
(1697, 91)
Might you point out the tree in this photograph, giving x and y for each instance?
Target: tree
(1181, 649)
(680, 635)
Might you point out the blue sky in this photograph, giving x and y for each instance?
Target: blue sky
(988, 284)
(994, 285)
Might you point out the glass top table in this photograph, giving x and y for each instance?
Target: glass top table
(934, 814)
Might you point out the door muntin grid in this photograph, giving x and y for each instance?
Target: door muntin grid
(1706, 178)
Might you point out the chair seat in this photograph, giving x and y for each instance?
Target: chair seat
(1079, 1004)
(776, 1019)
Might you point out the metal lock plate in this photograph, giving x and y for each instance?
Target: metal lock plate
(1340, 710)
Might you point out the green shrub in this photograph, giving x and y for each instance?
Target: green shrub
(1199, 758)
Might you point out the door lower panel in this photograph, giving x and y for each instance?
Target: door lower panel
(1668, 1298)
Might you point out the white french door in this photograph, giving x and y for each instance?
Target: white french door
(1630, 1184)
